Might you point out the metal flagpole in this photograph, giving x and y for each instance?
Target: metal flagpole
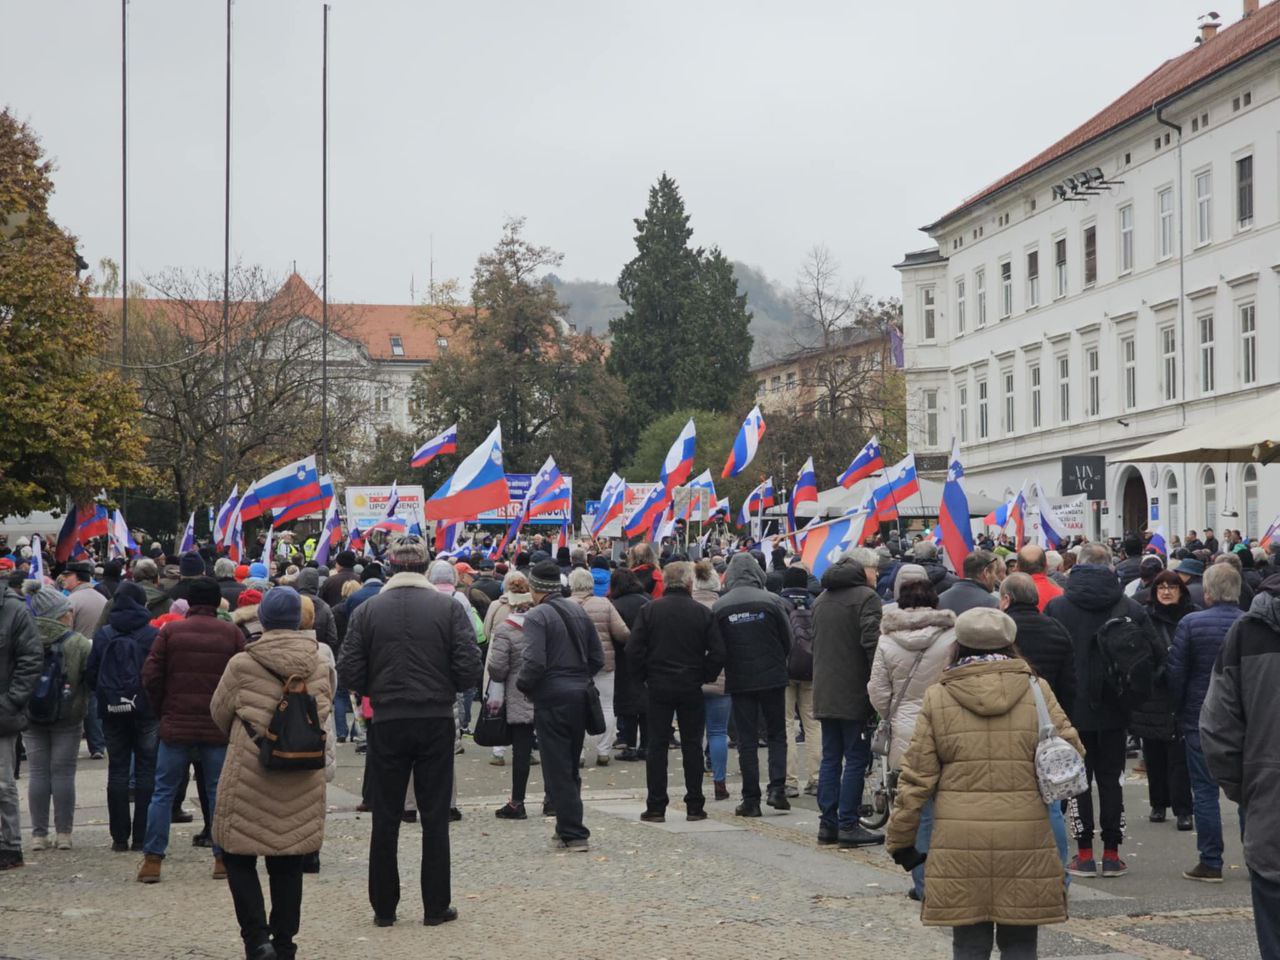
(324, 257)
(226, 272)
(124, 202)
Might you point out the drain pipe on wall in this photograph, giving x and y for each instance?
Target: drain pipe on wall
(1182, 290)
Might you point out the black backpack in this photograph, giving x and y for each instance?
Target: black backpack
(800, 657)
(119, 687)
(52, 689)
(1123, 667)
(294, 740)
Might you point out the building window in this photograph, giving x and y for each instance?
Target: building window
(1129, 363)
(1210, 497)
(1249, 483)
(1009, 424)
(980, 287)
(1169, 361)
(1244, 192)
(381, 400)
(442, 344)
(928, 324)
(1248, 344)
(1164, 203)
(1060, 267)
(397, 346)
(1126, 238)
(931, 418)
(960, 305)
(1090, 255)
(962, 404)
(1093, 383)
(791, 380)
(1006, 289)
(1206, 353)
(775, 383)
(983, 419)
(1033, 377)
(761, 388)
(1033, 278)
(1174, 507)
(1204, 207)
(1064, 389)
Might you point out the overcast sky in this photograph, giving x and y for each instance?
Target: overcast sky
(785, 123)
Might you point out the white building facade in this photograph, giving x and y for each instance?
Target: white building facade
(1120, 286)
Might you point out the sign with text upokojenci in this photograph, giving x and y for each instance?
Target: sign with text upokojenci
(518, 488)
(367, 505)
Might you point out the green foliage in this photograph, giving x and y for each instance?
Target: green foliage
(684, 340)
(69, 427)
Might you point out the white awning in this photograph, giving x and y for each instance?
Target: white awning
(1246, 432)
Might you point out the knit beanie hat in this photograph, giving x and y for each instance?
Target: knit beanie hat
(248, 598)
(795, 577)
(545, 577)
(259, 571)
(242, 572)
(906, 574)
(191, 564)
(280, 609)
(44, 600)
(204, 592)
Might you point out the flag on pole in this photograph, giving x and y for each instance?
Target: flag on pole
(612, 501)
(440, 444)
(66, 537)
(306, 508)
(447, 536)
(702, 497)
(295, 483)
(745, 444)
(900, 483)
(1158, 543)
(356, 539)
(477, 485)
(393, 500)
(37, 559)
(870, 459)
(956, 533)
(1014, 511)
(759, 499)
(331, 534)
(562, 540)
(121, 543)
(826, 543)
(1272, 534)
(92, 520)
(678, 463)
(1053, 530)
(266, 549)
(665, 527)
(222, 520)
(188, 535)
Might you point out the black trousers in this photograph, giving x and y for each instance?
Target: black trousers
(561, 727)
(521, 755)
(746, 708)
(284, 874)
(399, 749)
(1168, 783)
(131, 746)
(206, 814)
(632, 729)
(1104, 763)
(691, 715)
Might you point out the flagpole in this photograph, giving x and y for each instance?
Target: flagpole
(124, 202)
(324, 255)
(226, 271)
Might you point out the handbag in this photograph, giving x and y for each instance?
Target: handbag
(882, 739)
(1060, 770)
(595, 724)
(491, 729)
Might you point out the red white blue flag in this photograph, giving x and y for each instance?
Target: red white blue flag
(297, 482)
(870, 459)
(479, 484)
(956, 533)
(612, 501)
(440, 444)
(745, 444)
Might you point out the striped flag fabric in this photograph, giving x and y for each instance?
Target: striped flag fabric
(442, 443)
(477, 485)
(870, 460)
(745, 444)
(188, 535)
(296, 482)
(331, 534)
(92, 520)
(222, 520)
(66, 541)
(612, 501)
(36, 572)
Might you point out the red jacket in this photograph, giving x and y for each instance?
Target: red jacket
(1046, 588)
(182, 672)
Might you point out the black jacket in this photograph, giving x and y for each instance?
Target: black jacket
(131, 621)
(553, 669)
(1128, 569)
(1154, 720)
(755, 628)
(629, 696)
(409, 649)
(675, 646)
(1046, 645)
(21, 658)
(846, 630)
(230, 588)
(1091, 596)
(941, 578)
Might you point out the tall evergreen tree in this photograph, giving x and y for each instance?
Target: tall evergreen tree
(683, 341)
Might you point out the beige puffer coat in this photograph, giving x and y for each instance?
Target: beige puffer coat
(905, 635)
(610, 627)
(992, 856)
(260, 811)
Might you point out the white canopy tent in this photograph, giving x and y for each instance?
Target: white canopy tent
(1245, 433)
(837, 501)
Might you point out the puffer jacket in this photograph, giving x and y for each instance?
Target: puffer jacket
(1196, 644)
(992, 856)
(755, 628)
(846, 630)
(1155, 719)
(182, 671)
(506, 656)
(906, 635)
(613, 633)
(941, 578)
(75, 656)
(260, 811)
(21, 656)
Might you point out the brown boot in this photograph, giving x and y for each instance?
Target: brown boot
(219, 868)
(149, 871)
(722, 792)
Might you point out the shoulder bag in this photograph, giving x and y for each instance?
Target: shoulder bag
(595, 711)
(882, 739)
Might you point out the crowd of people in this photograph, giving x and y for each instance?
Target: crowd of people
(180, 671)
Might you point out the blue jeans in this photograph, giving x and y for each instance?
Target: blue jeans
(93, 726)
(1204, 802)
(924, 833)
(845, 754)
(1266, 915)
(172, 760)
(341, 707)
(1058, 823)
(718, 735)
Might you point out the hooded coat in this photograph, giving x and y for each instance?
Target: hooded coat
(506, 657)
(75, 655)
(629, 694)
(260, 811)
(130, 622)
(846, 631)
(21, 656)
(905, 635)
(992, 857)
(755, 627)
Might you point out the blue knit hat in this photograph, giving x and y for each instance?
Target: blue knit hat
(280, 609)
(259, 571)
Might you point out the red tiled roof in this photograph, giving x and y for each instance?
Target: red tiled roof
(1232, 44)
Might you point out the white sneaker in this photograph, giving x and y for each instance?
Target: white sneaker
(63, 841)
(40, 843)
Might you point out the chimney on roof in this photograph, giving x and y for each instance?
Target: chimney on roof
(1250, 7)
(1208, 30)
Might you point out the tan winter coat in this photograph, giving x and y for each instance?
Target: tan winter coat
(905, 635)
(992, 856)
(260, 811)
(610, 627)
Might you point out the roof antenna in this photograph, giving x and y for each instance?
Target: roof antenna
(432, 265)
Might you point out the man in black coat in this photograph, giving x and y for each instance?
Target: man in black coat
(1043, 641)
(675, 647)
(757, 638)
(1131, 566)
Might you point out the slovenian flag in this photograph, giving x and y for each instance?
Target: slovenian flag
(331, 535)
(679, 460)
(307, 507)
(870, 459)
(955, 532)
(188, 535)
(390, 525)
(1015, 511)
(826, 544)
(66, 537)
(745, 444)
(393, 500)
(702, 496)
(759, 498)
(665, 527)
(562, 541)
(121, 543)
(266, 549)
(440, 444)
(612, 501)
(356, 539)
(647, 515)
(1158, 543)
(1052, 529)
(479, 484)
(92, 521)
(447, 536)
(37, 559)
(295, 483)
(900, 483)
(806, 489)
(1273, 533)
(222, 520)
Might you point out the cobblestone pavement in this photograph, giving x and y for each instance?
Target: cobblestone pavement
(721, 888)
